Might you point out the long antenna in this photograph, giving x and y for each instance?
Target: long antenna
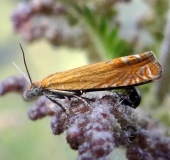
(25, 63)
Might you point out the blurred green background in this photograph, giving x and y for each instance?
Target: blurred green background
(22, 139)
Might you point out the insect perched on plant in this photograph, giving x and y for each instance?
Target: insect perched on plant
(123, 72)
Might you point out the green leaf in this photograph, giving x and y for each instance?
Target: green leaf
(103, 28)
(89, 17)
(113, 35)
(106, 40)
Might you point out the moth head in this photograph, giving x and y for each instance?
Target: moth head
(35, 89)
(33, 92)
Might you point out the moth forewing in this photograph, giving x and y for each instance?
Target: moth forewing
(116, 73)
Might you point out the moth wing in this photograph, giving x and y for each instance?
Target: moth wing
(116, 73)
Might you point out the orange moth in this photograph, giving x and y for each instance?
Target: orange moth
(122, 72)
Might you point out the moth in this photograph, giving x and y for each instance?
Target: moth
(123, 72)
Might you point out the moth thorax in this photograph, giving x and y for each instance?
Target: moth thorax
(35, 85)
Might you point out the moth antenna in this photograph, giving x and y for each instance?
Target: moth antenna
(21, 72)
(25, 64)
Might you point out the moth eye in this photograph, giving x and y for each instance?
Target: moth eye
(36, 90)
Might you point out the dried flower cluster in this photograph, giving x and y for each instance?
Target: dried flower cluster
(44, 19)
(13, 84)
(29, 20)
(149, 145)
(96, 130)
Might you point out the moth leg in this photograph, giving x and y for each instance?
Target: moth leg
(64, 93)
(83, 100)
(131, 96)
(119, 96)
(58, 103)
